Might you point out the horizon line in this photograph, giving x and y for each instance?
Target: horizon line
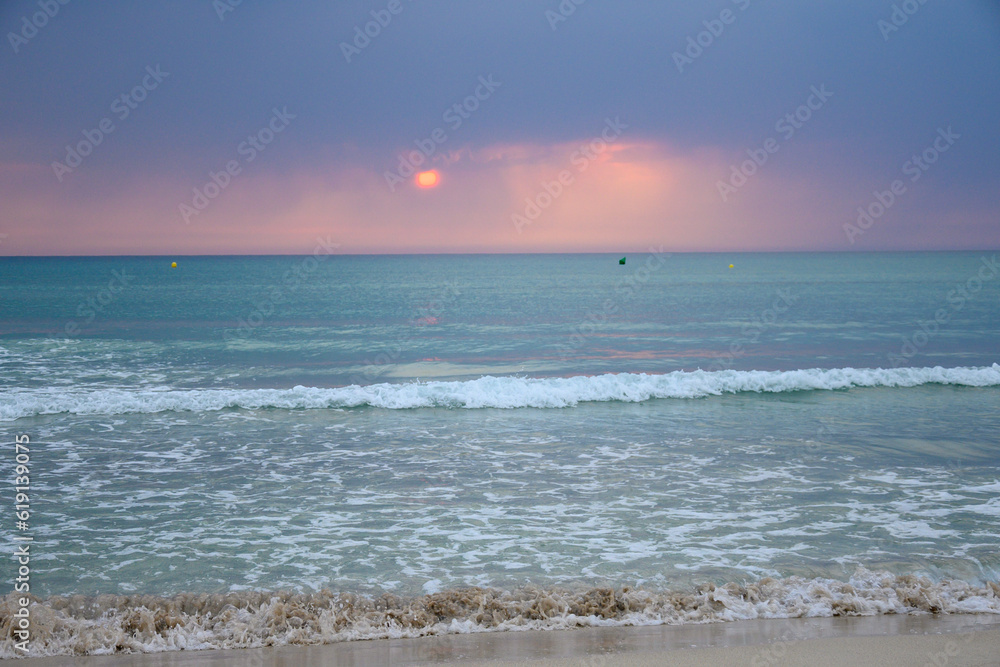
(478, 253)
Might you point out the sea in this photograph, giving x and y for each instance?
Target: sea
(258, 451)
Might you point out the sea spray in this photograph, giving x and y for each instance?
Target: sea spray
(487, 391)
(249, 619)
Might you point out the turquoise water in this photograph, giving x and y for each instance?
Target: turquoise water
(409, 317)
(419, 424)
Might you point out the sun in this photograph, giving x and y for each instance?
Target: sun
(427, 179)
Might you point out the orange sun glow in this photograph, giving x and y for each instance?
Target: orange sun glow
(427, 179)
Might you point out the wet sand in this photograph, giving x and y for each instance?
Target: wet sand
(884, 640)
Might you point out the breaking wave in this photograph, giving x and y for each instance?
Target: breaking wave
(79, 625)
(486, 392)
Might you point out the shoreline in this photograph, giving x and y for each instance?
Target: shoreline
(954, 639)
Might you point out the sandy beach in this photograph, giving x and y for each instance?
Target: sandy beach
(886, 640)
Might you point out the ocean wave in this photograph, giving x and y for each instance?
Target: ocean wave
(79, 625)
(486, 392)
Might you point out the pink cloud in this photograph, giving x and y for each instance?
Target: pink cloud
(629, 196)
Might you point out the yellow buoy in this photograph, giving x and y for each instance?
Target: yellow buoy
(173, 265)
(730, 266)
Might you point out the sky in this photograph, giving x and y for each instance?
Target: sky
(225, 127)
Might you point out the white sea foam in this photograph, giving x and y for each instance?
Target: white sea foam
(486, 392)
(249, 619)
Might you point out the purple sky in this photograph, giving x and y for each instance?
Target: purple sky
(141, 128)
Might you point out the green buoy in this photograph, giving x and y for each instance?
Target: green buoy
(621, 261)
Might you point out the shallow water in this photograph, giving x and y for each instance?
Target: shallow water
(421, 425)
